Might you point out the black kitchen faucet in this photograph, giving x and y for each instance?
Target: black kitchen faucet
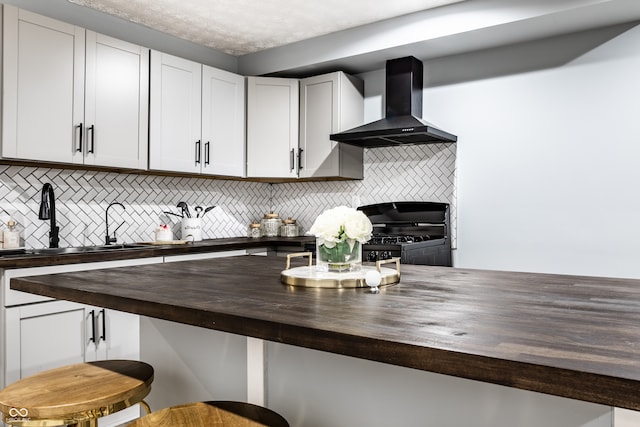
(107, 238)
(48, 211)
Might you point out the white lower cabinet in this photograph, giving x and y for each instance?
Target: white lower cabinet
(45, 336)
(57, 333)
(41, 333)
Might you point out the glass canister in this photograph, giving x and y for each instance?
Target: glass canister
(11, 236)
(289, 228)
(271, 223)
(255, 230)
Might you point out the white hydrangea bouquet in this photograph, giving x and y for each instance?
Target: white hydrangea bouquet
(340, 233)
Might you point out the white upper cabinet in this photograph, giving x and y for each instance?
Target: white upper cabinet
(288, 134)
(223, 122)
(330, 103)
(116, 102)
(43, 65)
(46, 90)
(272, 127)
(197, 118)
(175, 115)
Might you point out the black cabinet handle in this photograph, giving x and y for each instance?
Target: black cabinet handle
(292, 159)
(300, 158)
(79, 148)
(197, 152)
(91, 129)
(206, 153)
(93, 326)
(103, 336)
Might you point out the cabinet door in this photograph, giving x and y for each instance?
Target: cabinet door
(45, 336)
(318, 119)
(175, 114)
(42, 91)
(117, 334)
(58, 333)
(223, 122)
(272, 127)
(329, 104)
(72, 329)
(117, 102)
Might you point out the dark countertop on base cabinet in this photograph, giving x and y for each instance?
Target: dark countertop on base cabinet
(148, 250)
(569, 336)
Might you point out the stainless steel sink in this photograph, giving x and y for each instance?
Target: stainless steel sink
(72, 250)
(81, 249)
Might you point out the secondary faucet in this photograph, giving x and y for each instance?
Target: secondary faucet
(48, 211)
(107, 238)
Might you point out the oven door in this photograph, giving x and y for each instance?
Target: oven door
(437, 252)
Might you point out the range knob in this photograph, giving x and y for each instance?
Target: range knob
(372, 256)
(385, 255)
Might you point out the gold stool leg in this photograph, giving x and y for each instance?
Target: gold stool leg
(146, 407)
(93, 422)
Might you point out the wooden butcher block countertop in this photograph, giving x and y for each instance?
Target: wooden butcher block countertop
(577, 337)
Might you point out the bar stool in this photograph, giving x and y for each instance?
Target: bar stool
(76, 395)
(212, 414)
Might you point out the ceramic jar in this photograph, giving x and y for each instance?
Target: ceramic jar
(192, 229)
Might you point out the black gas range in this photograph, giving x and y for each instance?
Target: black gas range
(415, 232)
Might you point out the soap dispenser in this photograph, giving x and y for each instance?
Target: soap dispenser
(11, 236)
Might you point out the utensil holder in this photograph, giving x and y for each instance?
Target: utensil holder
(191, 229)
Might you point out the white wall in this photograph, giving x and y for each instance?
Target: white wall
(547, 156)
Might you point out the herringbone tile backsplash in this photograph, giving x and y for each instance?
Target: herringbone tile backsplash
(421, 172)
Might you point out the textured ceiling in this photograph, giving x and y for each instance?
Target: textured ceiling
(238, 27)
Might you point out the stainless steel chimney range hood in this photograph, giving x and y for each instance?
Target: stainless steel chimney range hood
(402, 124)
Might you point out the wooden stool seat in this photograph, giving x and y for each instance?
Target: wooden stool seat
(212, 414)
(76, 394)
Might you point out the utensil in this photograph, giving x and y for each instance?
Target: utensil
(185, 209)
(198, 211)
(174, 214)
(207, 210)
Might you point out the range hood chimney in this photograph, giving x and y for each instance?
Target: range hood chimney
(403, 124)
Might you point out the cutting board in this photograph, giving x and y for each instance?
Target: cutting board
(167, 242)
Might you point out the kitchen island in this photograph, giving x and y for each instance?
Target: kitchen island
(569, 336)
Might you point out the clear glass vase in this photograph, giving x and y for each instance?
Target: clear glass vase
(343, 256)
